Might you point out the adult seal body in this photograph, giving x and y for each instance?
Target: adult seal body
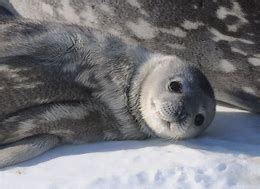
(222, 38)
(63, 83)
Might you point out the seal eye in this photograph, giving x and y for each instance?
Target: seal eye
(175, 86)
(199, 119)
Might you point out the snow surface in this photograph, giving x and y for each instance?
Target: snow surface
(226, 156)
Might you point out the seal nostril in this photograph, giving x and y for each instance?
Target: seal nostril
(175, 86)
(199, 119)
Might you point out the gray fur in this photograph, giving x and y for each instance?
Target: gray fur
(220, 37)
(26, 149)
(63, 83)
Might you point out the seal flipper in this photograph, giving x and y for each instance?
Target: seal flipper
(26, 149)
(32, 131)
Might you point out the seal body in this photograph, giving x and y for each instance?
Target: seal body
(63, 83)
(220, 37)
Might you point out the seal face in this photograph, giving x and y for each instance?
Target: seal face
(177, 101)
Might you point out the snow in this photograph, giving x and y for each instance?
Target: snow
(227, 155)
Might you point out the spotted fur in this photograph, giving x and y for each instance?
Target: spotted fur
(220, 37)
(64, 83)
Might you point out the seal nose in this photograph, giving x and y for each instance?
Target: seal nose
(199, 120)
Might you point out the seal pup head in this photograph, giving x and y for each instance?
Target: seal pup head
(175, 100)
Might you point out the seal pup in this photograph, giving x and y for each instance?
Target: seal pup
(221, 37)
(64, 83)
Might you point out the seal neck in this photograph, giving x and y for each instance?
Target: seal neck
(144, 67)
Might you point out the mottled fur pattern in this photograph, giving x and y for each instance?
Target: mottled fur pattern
(220, 37)
(54, 77)
(64, 83)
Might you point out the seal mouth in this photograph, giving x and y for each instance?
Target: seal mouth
(180, 118)
(180, 125)
(175, 115)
